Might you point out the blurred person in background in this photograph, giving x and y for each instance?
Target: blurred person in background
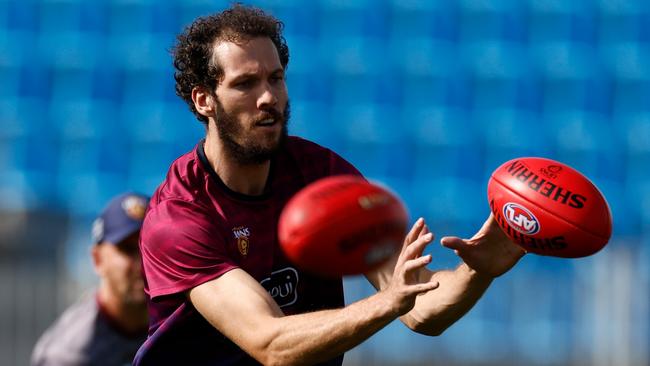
(221, 291)
(107, 326)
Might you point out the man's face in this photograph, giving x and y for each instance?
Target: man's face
(252, 102)
(119, 265)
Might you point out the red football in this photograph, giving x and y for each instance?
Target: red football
(549, 208)
(342, 225)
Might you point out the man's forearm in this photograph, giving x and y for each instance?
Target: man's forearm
(319, 336)
(458, 292)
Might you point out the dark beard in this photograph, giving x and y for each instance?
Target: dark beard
(249, 152)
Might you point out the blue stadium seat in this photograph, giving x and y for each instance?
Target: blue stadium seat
(358, 89)
(564, 93)
(58, 16)
(438, 20)
(634, 133)
(79, 156)
(304, 56)
(16, 123)
(84, 193)
(353, 55)
(352, 19)
(12, 50)
(511, 133)
(22, 190)
(367, 122)
(423, 56)
(147, 86)
(70, 49)
(627, 60)
(299, 20)
(482, 22)
(107, 83)
(165, 18)
(452, 204)
(630, 99)
(312, 120)
(562, 39)
(454, 91)
(83, 119)
(494, 59)
(94, 17)
(41, 154)
(376, 160)
(623, 203)
(309, 86)
(13, 154)
(443, 145)
(162, 122)
(148, 164)
(566, 60)
(35, 75)
(129, 18)
(587, 141)
(493, 92)
(26, 172)
(10, 77)
(70, 84)
(620, 26)
(190, 10)
(21, 16)
(140, 51)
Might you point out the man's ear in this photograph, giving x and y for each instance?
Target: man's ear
(95, 253)
(203, 101)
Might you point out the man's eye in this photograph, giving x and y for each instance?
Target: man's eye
(244, 83)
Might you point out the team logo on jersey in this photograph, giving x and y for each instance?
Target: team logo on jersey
(242, 234)
(520, 218)
(282, 285)
(134, 207)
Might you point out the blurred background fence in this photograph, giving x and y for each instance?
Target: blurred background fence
(426, 96)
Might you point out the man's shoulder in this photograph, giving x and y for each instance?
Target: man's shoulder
(78, 317)
(66, 340)
(81, 336)
(184, 174)
(316, 161)
(307, 153)
(183, 186)
(301, 145)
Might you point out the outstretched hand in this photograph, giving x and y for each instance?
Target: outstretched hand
(488, 252)
(405, 284)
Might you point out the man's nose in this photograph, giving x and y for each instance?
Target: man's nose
(267, 97)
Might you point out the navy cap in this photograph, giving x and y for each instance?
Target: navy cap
(121, 217)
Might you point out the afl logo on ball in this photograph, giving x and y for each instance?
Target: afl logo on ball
(520, 218)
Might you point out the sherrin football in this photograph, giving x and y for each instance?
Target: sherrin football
(549, 208)
(342, 225)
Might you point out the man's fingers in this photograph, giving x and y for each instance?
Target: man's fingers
(453, 242)
(425, 230)
(415, 231)
(424, 287)
(416, 248)
(417, 263)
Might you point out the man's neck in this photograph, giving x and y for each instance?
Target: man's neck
(131, 319)
(245, 179)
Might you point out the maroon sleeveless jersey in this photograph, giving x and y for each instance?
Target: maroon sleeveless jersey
(196, 229)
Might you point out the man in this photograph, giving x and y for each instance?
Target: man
(107, 326)
(209, 244)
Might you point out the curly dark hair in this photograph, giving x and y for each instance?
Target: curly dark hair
(192, 53)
